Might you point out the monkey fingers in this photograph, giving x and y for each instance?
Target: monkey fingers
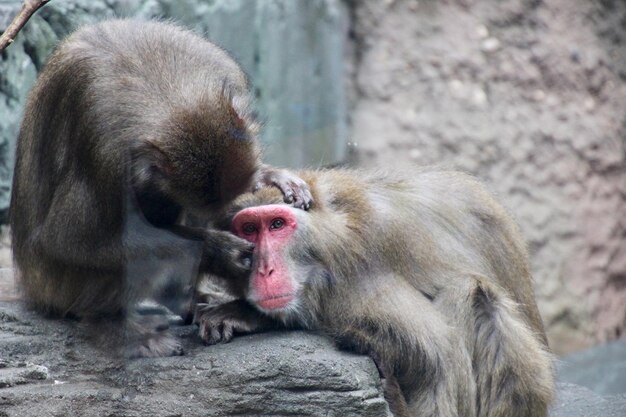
(226, 255)
(219, 324)
(294, 189)
(213, 332)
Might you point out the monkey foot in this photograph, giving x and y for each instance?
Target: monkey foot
(147, 336)
(161, 344)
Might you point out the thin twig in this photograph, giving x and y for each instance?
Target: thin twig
(28, 8)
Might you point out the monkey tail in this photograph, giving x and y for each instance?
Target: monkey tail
(513, 368)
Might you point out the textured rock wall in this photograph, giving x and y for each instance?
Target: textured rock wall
(530, 96)
(291, 49)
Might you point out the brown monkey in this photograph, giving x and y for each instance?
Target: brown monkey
(427, 273)
(129, 125)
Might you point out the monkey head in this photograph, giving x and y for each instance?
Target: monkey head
(270, 228)
(201, 155)
(283, 269)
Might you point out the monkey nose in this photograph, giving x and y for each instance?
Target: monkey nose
(265, 270)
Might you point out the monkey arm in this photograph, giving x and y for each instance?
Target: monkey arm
(223, 253)
(216, 251)
(510, 361)
(400, 327)
(70, 235)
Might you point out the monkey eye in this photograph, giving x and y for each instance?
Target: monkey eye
(249, 229)
(277, 224)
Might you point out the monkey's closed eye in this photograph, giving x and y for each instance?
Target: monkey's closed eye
(277, 224)
(249, 229)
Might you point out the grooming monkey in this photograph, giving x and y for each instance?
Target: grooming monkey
(427, 274)
(130, 125)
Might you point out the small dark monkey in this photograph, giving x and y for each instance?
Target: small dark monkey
(131, 124)
(427, 274)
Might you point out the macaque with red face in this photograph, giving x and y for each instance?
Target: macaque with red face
(270, 228)
(427, 274)
(131, 127)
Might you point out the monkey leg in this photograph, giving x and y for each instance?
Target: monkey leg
(401, 327)
(514, 369)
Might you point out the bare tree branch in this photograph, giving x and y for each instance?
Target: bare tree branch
(28, 8)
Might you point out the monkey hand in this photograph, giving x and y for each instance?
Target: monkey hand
(226, 255)
(294, 188)
(218, 324)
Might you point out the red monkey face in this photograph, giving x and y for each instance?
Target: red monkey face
(270, 228)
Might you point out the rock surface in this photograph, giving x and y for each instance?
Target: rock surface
(601, 369)
(529, 96)
(48, 368)
(576, 401)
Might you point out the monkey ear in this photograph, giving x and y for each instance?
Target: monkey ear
(149, 163)
(161, 162)
(238, 110)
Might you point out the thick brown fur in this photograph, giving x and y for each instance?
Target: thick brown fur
(428, 274)
(130, 124)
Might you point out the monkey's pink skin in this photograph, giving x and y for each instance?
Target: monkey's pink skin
(261, 218)
(269, 228)
(275, 303)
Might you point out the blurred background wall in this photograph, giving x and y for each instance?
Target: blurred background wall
(528, 95)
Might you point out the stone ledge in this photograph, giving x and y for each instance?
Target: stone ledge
(49, 368)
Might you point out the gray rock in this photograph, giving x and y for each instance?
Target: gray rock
(49, 367)
(52, 367)
(576, 401)
(601, 369)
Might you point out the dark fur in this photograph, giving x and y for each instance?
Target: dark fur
(130, 124)
(429, 275)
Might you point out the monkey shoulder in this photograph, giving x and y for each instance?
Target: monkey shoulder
(456, 191)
